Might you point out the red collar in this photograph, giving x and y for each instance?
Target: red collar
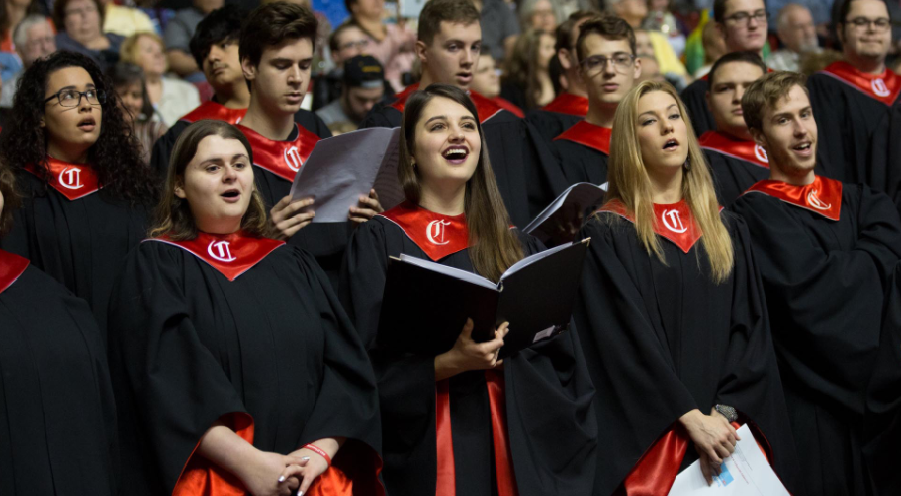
(592, 136)
(216, 112)
(11, 267)
(884, 87)
(282, 158)
(749, 151)
(74, 181)
(672, 221)
(436, 234)
(567, 103)
(486, 107)
(509, 107)
(822, 196)
(231, 254)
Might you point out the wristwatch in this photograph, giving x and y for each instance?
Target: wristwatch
(728, 412)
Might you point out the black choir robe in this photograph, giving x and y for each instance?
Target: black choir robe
(559, 115)
(886, 149)
(735, 165)
(662, 340)
(74, 231)
(528, 175)
(826, 251)
(239, 329)
(57, 412)
(275, 165)
(848, 106)
(583, 150)
(694, 96)
(549, 424)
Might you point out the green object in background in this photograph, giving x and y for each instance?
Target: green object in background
(694, 45)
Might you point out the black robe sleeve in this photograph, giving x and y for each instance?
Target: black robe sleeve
(313, 123)
(731, 176)
(162, 150)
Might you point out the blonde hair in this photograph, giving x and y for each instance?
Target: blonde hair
(629, 182)
(128, 52)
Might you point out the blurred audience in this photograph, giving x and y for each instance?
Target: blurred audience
(714, 48)
(504, 27)
(179, 31)
(34, 39)
(527, 82)
(632, 11)
(487, 79)
(79, 23)
(392, 44)
(128, 81)
(539, 15)
(11, 14)
(797, 33)
(345, 42)
(123, 20)
(660, 19)
(363, 86)
(171, 97)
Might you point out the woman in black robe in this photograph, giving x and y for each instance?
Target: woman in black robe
(57, 412)
(671, 312)
(459, 423)
(85, 188)
(235, 367)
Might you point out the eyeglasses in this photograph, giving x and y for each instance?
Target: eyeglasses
(622, 62)
(354, 44)
(745, 17)
(880, 25)
(72, 98)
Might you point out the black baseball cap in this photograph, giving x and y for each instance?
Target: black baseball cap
(363, 71)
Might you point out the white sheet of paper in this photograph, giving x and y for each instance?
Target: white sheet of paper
(342, 168)
(745, 473)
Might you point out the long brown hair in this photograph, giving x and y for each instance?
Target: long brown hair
(11, 200)
(493, 246)
(173, 217)
(521, 68)
(629, 182)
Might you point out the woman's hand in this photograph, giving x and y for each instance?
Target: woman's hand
(286, 216)
(314, 464)
(714, 438)
(468, 355)
(264, 475)
(366, 209)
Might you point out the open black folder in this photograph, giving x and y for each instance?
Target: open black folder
(426, 304)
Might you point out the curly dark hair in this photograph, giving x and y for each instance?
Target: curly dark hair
(115, 157)
(11, 200)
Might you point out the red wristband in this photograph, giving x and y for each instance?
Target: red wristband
(319, 451)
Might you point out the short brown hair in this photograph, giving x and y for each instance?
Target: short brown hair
(173, 216)
(271, 24)
(766, 92)
(608, 26)
(567, 29)
(59, 14)
(11, 200)
(436, 11)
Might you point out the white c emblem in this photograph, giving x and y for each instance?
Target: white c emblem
(760, 152)
(220, 251)
(435, 232)
(673, 222)
(70, 178)
(814, 201)
(292, 158)
(879, 87)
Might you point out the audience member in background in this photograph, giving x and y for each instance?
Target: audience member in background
(363, 86)
(632, 11)
(653, 45)
(821, 11)
(661, 20)
(128, 81)
(538, 15)
(11, 14)
(392, 44)
(171, 97)
(504, 27)
(743, 25)
(79, 23)
(714, 48)
(124, 21)
(487, 82)
(527, 82)
(346, 41)
(34, 39)
(798, 35)
(179, 31)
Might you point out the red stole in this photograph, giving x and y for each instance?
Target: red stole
(216, 112)
(749, 151)
(823, 196)
(567, 103)
(509, 107)
(673, 221)
(74, 181)
(231, 254)
(883, 87)
(486, 107)
(589, 135)
(438, 236)
(11, 267)
(282, 158)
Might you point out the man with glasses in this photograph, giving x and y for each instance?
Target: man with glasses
(850, 98)
(743, 26)
(345, 42)
(34, 39)
(571, 105)
(609, 69)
